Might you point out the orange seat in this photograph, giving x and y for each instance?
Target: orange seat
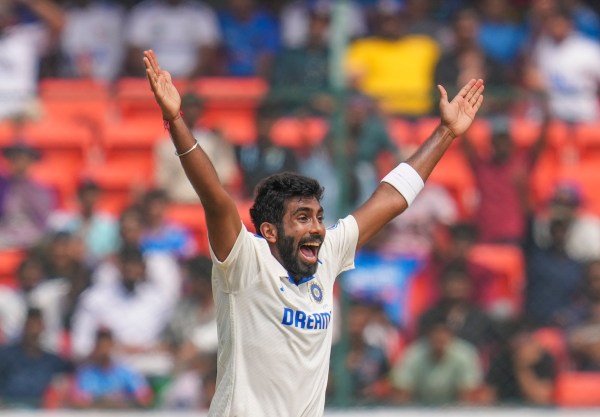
(132, 141)
(577, 389)
(526, 131)
(587, 140)
(298, 132)
(236, 128)
(507, 263)
(424, 128)
(192, 217)
(454, 174)
(60, 179)
(134, 98)
(586, 175)
(120, 182)
(402, 132)
(10, 260)
(81, 100)
(63, 143)
(232, 90)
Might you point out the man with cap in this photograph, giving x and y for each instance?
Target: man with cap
(24, 204)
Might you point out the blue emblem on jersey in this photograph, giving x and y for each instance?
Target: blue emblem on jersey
(316, 292)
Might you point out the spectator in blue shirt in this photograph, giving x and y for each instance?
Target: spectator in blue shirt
(250, 39)
(103, 383)
(26, 369)
(501, 38)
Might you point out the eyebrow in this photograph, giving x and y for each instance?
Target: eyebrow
(307, 210)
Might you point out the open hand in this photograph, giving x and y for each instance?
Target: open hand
(458, 114)
(165, 93)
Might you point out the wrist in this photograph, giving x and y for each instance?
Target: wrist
(168, 120)
(446, 131)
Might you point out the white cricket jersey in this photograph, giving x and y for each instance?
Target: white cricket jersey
(275, 336)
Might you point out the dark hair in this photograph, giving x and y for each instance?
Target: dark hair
(273, 192)
(455, 271)
(157, 194)
(131, 254)
(34, 313)
(464, 231)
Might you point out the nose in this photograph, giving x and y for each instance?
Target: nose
(317, 227)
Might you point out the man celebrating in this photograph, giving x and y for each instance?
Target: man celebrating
(273, 291)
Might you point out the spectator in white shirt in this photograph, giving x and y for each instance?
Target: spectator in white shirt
(134, 299)
(92, 41)
(21, 48)
(566, 65)
(183, 33)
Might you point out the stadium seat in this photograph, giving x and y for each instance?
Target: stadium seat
(60, 179)
(76, 100)
(236, 128)
(525, 132)
(587, 139)
(62, 143)
(585, 174)
(134, 98)
(424, 127)
(132, 141)
(507, 263)
(577, 389)
(10, 259)
(298, 133)
(192, 217)
(402, 132)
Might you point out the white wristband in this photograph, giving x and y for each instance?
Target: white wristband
(406, 180)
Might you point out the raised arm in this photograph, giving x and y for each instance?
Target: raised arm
(387, 202)
(222, 218)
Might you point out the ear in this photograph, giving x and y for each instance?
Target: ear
(269, 232)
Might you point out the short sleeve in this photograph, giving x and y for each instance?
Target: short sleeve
(340, 244)
(471, 375)
(241, 265)
(405, 373)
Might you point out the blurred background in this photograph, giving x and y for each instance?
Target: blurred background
(485, 293)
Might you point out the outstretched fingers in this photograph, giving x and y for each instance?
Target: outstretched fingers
(465, 90)
(476, 94)
(477, 104)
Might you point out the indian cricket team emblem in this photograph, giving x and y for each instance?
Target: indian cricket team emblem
(316, 292)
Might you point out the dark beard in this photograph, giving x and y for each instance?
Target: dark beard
(296, 269)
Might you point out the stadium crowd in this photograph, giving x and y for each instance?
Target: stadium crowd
(486, 291)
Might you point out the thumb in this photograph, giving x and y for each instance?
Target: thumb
(443, 94)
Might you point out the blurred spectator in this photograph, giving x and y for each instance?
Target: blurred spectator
(455, 307)
(169, 174)
(92, 43)
(455, 251)
(582, 322)
(295, 17)
(22, 45)
(366, 363)
(24, 204)
(584, 17)
(133, 298)
(28, 370)
(263, 158)
(566, 66)
(522, 372)
(378, 66)
(421, 20)
(553, 278)
(583, 234)
(502, 183)
(439, 369)
(97, 229)
(414, 233)
(184, 35)
(501, 38)
(466, 60)
(102, 383)
(192, 328)
(250, 39)
(160, 234)
(300, 79)
(193, 387)
(131, 226)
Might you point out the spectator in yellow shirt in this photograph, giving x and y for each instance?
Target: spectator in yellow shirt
(394, 67)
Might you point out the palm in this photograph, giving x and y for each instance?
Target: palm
(165, 93)
(458, 114)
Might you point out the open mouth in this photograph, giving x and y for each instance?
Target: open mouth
(309, 251)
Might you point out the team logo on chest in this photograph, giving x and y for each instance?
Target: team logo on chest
(316, 292)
